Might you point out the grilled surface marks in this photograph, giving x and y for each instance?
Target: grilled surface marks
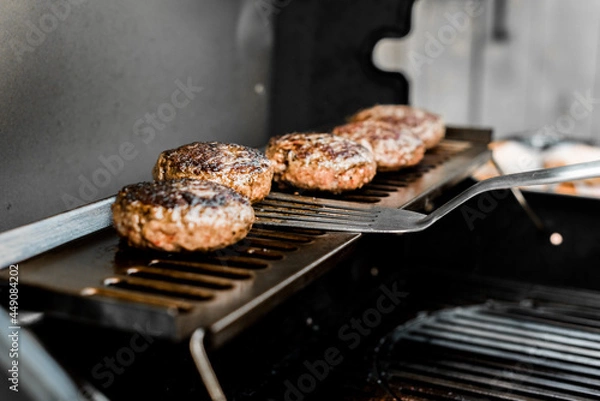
(245, 169)
(393, 147)
(182, 214)
(320, 161)
(428, 126)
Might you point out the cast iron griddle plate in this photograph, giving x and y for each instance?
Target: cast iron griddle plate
(98, 279)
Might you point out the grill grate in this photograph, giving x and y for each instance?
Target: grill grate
(200, 277)
(495, 351)
(395, 188)
(99, 280)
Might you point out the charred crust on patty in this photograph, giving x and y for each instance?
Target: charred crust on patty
(198, 157)
(393, 147)
(181, 214)
(168, 194)
(429, 126)
(245, 169)
(320, 161)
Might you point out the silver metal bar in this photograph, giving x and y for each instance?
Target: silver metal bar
(24, 242)
(298, 208)
(204, 366)
(528, 326)
(501, 334)
(461, 361)
(499, 385)
(538, 348)
(482, 389)
(329, 204)
(579, 171)
(523, 363)
(508, 374)
(527, 355)
(275, 216)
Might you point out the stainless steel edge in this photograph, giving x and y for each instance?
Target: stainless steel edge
(30, 240)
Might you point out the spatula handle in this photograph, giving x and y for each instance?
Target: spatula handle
(573, 172)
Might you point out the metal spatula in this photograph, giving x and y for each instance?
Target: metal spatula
(303, 212)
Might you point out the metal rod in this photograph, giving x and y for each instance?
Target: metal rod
(204, 366)
(33, 239)
(544, 176)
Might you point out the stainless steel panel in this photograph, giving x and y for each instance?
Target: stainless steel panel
(91, 92)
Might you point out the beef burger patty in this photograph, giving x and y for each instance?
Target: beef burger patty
(320, 161)
(245, 169)
(393, 148)
(428, 126)
(181, 214)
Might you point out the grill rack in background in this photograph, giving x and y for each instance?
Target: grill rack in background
(543, 347)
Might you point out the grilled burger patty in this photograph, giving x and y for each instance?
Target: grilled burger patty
(181, 214)
(320, 161)
(393, 148)
(428, 126)
(245, 169)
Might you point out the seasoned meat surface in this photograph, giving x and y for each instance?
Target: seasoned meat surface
(428, 126)
(393, 148)
(245, 169)
(181, 214)
(320, 161)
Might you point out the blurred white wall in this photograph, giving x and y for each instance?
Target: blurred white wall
(519, 66)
